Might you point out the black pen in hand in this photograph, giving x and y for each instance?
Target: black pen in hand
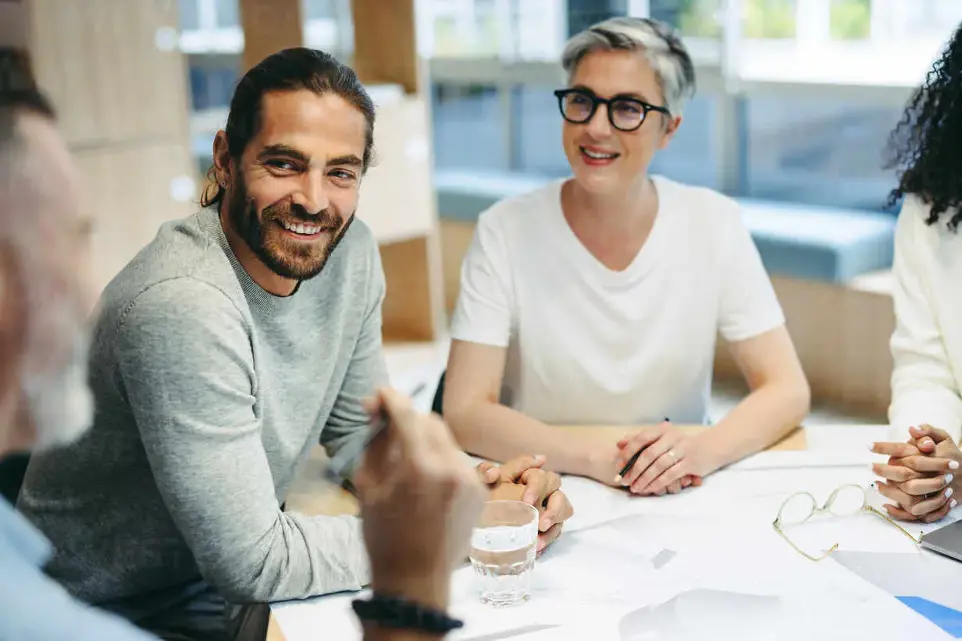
(631, 462)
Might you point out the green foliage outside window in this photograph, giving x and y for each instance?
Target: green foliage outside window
(851, 19)
(699, 18)
(769, 19)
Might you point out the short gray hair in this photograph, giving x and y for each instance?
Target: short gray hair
(661, 45)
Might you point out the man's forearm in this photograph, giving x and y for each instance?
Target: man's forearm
(499, 433)
(759, 420)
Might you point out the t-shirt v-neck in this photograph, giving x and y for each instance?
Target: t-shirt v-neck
(643, 261)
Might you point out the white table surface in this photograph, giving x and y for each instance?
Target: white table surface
(730, 575)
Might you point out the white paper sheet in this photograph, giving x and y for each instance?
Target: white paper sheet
(925, 575)
(806, 458)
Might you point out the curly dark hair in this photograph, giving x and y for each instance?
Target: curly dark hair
(926, 146)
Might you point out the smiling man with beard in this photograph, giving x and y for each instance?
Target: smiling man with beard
(222, 353)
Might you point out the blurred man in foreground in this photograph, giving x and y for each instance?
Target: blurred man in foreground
(44, 400)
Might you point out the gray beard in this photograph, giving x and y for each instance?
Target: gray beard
(60, 404)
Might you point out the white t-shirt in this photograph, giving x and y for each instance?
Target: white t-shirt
(588, 345)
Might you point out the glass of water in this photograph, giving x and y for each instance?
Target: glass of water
(503, 547)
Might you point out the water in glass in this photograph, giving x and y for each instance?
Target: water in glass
(503, 548)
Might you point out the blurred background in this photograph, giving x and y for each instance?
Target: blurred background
(796, 100)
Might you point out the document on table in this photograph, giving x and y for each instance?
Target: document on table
(806, 458)
(925, 575)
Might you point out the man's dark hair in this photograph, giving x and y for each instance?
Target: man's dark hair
(926, 146)
(18, 88)
(288, 70)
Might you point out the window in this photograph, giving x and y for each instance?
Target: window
(691, 157)
(228, 13)
(320, 9)
(188, 14)
(212, 81)
(464, 29)
(469, 128)
(824, 152)
(769, 19)
(851, 19)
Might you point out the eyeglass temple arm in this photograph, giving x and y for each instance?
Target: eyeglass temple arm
(781, 532)
(881, 515)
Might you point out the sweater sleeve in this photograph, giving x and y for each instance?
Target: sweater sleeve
(347, 426)
(186, 366)
(924, 389)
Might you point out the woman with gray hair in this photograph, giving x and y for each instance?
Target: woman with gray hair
(597, 299)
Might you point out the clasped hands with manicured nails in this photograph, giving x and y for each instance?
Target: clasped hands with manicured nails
(921, 475)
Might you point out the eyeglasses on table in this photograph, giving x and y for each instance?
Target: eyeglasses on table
(846, 500)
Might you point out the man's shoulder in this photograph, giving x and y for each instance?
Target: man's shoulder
(183, 264)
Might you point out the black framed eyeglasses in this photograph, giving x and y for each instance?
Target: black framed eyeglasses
(578, 106)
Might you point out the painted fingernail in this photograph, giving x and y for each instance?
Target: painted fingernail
(953, 465)
(953, 503)
(948, 478)
(948, 492)
(617, 479)
(871, 447)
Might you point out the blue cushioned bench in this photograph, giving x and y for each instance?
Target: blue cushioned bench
(794, 240)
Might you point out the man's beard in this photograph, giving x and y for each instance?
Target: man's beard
(60, 404)
(286, 258)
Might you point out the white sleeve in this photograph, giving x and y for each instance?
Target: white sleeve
(924, 389)
(748, 305)
(483, 313)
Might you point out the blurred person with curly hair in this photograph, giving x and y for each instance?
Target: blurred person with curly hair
(926, 409)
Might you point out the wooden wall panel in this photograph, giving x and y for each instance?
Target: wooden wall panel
(118, 81)
(455, 239)
(411, 309)
(397, 196)
(841, 333)
(127, 192)
(385, 43)
(100, 63)
(269, 26)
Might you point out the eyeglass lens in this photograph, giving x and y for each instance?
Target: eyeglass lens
(797, 509)
(624, 113)
(846, 500)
